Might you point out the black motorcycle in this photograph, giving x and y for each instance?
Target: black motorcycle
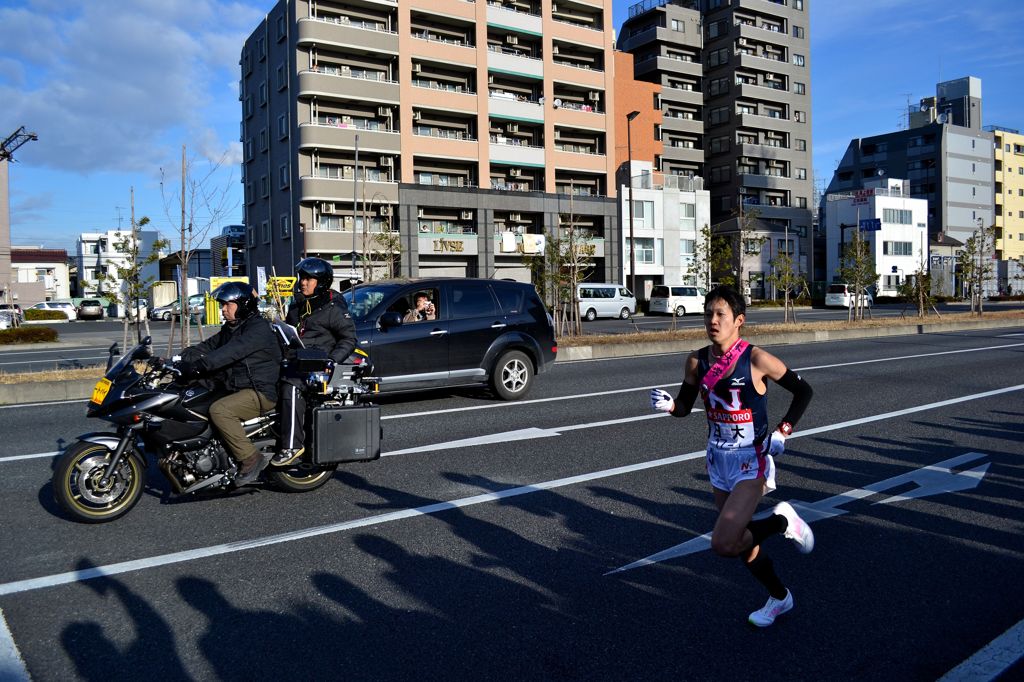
(102, 476)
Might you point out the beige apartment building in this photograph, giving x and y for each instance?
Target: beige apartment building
(1008, 146)
(457, 127)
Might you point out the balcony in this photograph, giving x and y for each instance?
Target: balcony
(508, 61)
(510, 105)
(763, 181)
(344, 83)
(365, 35)
(503, 150)
(342, 189)
(501, 16)
(343, 136)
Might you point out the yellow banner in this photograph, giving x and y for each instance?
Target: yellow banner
(217, 281)
(283, 286)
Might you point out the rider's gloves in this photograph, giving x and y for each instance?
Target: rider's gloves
(661, 401)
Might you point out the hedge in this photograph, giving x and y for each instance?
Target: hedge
(35, 314)
(27, 335)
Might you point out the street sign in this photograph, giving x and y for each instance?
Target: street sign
(870, 224)
(281, 286)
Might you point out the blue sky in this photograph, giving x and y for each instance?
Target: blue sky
(113, 88)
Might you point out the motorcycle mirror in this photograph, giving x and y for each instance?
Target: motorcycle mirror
(111, 353)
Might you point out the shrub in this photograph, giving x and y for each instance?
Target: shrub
(34, 314)
(27, 335)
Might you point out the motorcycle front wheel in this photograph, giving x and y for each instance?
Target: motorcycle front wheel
(300, 478)
(79, 489)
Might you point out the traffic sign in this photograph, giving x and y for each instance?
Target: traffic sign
(870, 224)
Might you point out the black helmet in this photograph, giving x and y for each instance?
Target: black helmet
(241, 294)
(318, 269)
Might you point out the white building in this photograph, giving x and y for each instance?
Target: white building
(48, 267)
(669, 211)
(97, 253)
(899, 247)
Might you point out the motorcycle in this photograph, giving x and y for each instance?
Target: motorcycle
(157, 414)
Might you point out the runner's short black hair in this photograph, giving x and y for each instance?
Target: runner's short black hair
(732, 298)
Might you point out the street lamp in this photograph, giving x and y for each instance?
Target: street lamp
(629, 178)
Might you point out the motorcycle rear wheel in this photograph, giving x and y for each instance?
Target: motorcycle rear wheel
(77, 484)
(300, 478)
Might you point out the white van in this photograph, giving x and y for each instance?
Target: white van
(677, 300)
(605, 300)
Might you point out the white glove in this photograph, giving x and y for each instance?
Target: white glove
(777, 444)
(661, 401)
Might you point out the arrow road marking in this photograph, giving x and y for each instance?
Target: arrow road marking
(930, 480)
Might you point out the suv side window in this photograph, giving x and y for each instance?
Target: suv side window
(471, 300)
(510, 297)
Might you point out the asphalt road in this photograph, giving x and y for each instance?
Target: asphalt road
(485, 544)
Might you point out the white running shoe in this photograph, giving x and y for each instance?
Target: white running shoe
(797, 529)
(771, 610)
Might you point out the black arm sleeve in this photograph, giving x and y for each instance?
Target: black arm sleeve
(802, 393)
(685, 399)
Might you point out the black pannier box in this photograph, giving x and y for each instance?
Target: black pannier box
(346, 434)
(310, 360)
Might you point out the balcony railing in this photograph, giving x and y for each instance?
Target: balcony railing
(359, 23)
(345, 72)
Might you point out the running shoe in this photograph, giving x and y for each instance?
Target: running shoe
(771, 610)
(797, 529)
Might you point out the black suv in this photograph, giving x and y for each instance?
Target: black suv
(473, 331)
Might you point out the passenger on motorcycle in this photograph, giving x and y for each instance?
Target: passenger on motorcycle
(323, 322)
(245, 357)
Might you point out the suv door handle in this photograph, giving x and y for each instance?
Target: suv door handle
(439, 332)
(498, 325)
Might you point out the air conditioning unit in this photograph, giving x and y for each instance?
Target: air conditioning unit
(515, 172)
(417, 68)
(512, 39)
(514, 217)
(386, 161)
(513, 128)
(421, 213)
(417, 115)
(346, 70)
(554, 49)
(490, 80)
(554, 8)
(383, 111)
(327, 209)
(466, 215)
(385, 211)
(346, 119)
(347, 221)
(594, 96)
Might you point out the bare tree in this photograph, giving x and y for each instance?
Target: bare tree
(857, 268)
(975, 265)
(785, 277)
(204, 202)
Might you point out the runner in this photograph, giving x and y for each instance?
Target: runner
(730, 375)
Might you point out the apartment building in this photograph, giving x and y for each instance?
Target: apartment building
(1008, 146)
(438, 127)
(737, 102)
(48, 267)
(98, 254)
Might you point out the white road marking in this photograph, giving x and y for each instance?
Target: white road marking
(930, 480)
(291, 536)
(12, 667)
(992, 660)
(33, 362)
(49, 402)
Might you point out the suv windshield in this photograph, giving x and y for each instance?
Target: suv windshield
(363, 299)
(837, 289)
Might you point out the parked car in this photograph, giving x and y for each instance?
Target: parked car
(90, 309)
(677, 300)
(492, 332)
(605, 300)
(841, 295)
(141, 306)
(164, 312)
(196, 306)
(14, 309)
(6, 319)
(65, 307)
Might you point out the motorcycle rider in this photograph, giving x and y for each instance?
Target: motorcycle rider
(245, 357)
(322, 320)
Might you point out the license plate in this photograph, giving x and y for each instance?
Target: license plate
(100, 391)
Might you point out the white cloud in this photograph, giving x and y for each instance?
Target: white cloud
(120, 85)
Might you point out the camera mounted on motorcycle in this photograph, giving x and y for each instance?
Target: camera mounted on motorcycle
(311, 360)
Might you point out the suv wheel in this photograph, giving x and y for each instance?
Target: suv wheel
(680, 311)
(512, 376)
(624, 314)
(591, 315)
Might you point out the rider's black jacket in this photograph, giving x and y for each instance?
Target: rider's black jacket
(324, 322)
(243, 355)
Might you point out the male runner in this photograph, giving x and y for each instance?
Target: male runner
(730, 376)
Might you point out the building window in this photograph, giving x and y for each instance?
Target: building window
(263, 94)
(282, 126)
(798, 5)
(718, 115)
(645, 251)
(719, 145)
(897, 248)
(801, 173)
(263, 140)
(286, 226)
(250, 236)
(264, 187)
(686, 247)
(892, 281)
(718, 57)
(752, 246)
(784, 246)
(282, 77)
(897, 216)
(801, 202)
(801, 145)
(678, 25)
(282, 28)
(800, 88)
(282, 176)
(248, 193)
(798, 59)
(798, 31)
(800, 117)
(265, 231)
(263, 48)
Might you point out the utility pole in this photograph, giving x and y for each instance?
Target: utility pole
(7, 148)
(183, 311)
